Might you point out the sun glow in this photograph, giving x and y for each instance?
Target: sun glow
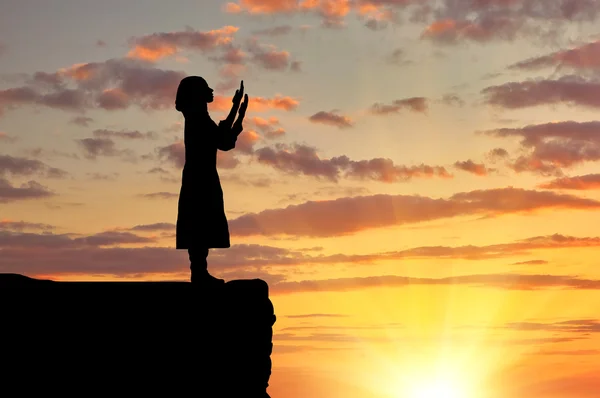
(436, 389)
(435, 386)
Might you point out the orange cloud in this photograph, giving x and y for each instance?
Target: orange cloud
(81, 71)
(268, 127)
(499, 281)
(472, 167)
(258, 104)
(264, 6)
(331, 11)
(246, 141)
(581, 183)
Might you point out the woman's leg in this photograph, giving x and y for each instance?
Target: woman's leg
(198, 263)
(199, 267)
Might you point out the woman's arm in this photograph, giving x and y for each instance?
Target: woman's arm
(227, 134)
(226, 137)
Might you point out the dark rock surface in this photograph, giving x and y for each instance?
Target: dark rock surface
(168, 339)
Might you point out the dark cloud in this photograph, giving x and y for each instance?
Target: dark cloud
(103, 176)
(95, 147)
(20, 226)
(274, 31)
(127, 134)
(159, 195)
(29, 190)
(82, 121)
(18, 166)
(415, 104)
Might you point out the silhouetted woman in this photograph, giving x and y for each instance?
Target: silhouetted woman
(201, 220)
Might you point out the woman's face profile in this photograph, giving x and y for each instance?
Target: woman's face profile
(205, 92)
(193, 91)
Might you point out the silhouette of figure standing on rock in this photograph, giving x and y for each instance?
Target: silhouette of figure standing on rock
(201, 220)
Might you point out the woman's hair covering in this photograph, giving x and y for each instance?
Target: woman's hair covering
(187, 90)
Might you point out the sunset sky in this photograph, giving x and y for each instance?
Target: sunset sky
(416, 181)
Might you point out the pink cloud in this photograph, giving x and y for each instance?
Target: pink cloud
(550, 147)
(159, 45)
(331, 118)
(586, 56)
(354, 214)
(302, 159)
(111, 85)
(571, 90)
(268, 56)
(450, 31)
(447, 21)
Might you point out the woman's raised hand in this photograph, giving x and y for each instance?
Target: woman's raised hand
(237, 126)
(239, 93)
(243, 107)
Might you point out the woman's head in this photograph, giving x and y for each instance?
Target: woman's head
(193, 92)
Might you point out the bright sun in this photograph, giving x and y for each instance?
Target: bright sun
(436, 388)
(435, 391)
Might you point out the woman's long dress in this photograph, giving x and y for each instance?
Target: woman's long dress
(201, 220)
